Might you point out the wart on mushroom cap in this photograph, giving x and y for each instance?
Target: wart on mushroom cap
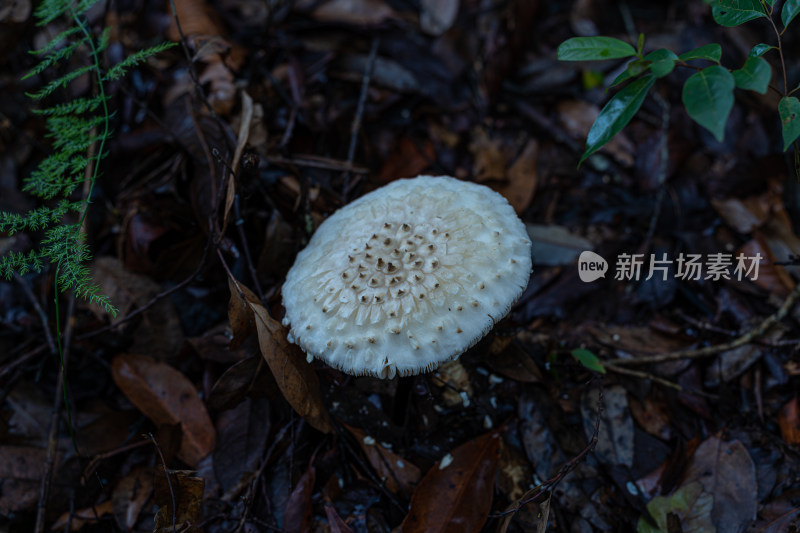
(407, 277)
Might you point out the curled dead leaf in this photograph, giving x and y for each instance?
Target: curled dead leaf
(166, 397)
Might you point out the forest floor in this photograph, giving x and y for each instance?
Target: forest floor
(694, 426)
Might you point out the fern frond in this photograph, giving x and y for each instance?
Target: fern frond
(78, 106)
(20, 263)
(103, 40)
(51, 59)
(71, 132)
(36, 219)
(66, 247)
(57, 175)
(54, 43)
(121, 68)
(58, 83)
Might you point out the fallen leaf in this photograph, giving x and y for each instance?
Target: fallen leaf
(241, 437)
(692, 506)
(297, 516)
(160, 328)
(728, 474)
(238, 381)
(511, 361)
(239, 313)
(166, 396)
(409, 158)
(335, 521)
(356, 12)
(523, 176)
(789, 422)
(130, 496)
(295, 377)
(81, 517)
(555, 245)
(397, 472)
(456, 494)
(437, 16)
(489, 159)
(652, 416)
(615, 443)
(21, 471)
(187, 491)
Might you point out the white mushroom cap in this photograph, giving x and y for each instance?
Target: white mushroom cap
(407, 277)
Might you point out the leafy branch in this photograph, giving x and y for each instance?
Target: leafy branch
(80, 130)
(708, 93)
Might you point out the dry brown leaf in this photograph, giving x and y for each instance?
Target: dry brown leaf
(81, 517)
(160, 328)
(489, 159)
(337, 524)
(397, 472)
(297, 516)
(166, 397)
(187, 490)
(523, 177)
(356, 12)
(771, 277)
(130, 496)
(509, 360)
(239, 313)
(294, 375)
(437, 16)
(408, 159)
(15, 11)
(727, 472)
(652, 416)
(21, 471)
(455, 383)
(456, 494)
(789, 422)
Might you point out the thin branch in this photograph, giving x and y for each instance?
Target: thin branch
(748, 337)
(355, 127)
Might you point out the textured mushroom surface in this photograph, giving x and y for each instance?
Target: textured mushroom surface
(407, 277)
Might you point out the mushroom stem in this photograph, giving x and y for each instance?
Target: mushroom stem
(402, 396)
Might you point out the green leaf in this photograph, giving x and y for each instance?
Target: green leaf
(662, 62)
(634, 68)
(708, 98)
(712, 52)
(588, 359)
(790, 10)
(789, 110)
(616, 114)
(754, 75)
(759, 50)
(593, 49)
(692, 506)
(734, 12)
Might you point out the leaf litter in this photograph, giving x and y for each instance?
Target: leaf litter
(192, 407)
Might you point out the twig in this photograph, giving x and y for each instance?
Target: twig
(192, 71)
(750, 336)
(155, 299)
(42, 315)
(92, 466)
(169, 480)
(55, 417)
(316, 162)
(657, 379)
(550, 485)
(661, 177)
(355, 127)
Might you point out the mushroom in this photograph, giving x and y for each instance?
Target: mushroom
(407, 277)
